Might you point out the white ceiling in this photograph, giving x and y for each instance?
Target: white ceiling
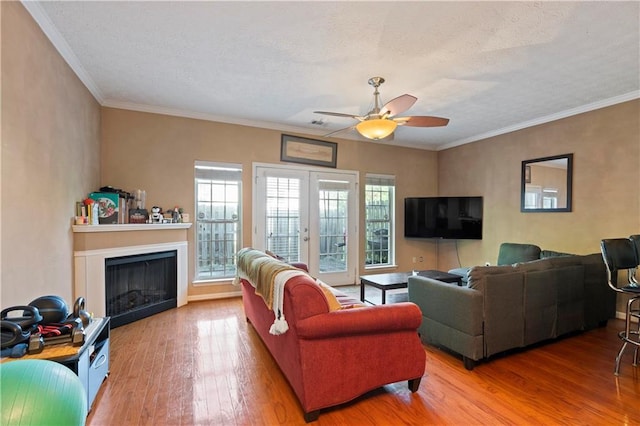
(490, 67)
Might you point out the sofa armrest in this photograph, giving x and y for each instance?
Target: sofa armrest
(366, 320)
(457, 307)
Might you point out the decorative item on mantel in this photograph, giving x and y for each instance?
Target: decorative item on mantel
(137, 211)
(114, 206)
(122, 199)
(156, 215)
(174, 215)
(138, 216)
(178, 215)
(86, 212)
(108, 207)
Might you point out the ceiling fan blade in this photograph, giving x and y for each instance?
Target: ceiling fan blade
(422, 121)
(339, 114)
(398, 105)
(339, 131)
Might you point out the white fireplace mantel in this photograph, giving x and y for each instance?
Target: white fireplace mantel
(130, 227)
(89, 264)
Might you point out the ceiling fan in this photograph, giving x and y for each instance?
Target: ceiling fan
(379, 123)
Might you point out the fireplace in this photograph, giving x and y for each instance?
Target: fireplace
(95, 245)
(139, 286)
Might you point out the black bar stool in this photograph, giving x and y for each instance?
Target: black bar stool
(621, 254)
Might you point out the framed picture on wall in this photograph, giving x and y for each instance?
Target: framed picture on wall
(295, 149)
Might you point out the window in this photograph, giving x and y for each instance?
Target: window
(379, 220)
(218, 211)
(536, 197)
(549, 198)
(532, 196)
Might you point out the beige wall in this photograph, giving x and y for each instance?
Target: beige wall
(58, 145)
(606, 184)
(50, 159)
(157, 153)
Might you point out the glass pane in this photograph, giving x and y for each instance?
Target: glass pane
(378, 205)
(204, 192)
(283, 217)
(333, 214)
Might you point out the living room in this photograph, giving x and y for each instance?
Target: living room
(59, 143)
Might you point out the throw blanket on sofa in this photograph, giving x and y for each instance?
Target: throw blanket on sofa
(268, 276)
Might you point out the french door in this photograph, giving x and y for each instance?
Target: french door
(310, 216)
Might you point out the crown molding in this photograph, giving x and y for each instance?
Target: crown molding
(546, 119)
(210, 117)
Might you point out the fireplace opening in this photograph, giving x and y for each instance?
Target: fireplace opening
(140, 285)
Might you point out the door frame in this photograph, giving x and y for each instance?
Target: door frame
(354, 251)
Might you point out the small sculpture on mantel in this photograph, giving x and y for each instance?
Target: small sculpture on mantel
(156, 214)
(176, 215)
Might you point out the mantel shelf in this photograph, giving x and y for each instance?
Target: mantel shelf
(130, 227)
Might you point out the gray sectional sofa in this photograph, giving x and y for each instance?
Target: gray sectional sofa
(511, 306)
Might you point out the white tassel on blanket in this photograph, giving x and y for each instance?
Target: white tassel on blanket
(280, 325)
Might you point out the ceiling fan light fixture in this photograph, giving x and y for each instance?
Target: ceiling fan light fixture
(379, 123)
(375, 129)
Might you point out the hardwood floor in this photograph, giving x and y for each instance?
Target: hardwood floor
(203, 364)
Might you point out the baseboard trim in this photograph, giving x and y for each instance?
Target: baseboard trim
(214, 296)
(623, 316)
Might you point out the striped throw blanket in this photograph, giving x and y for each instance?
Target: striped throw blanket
(268, 276)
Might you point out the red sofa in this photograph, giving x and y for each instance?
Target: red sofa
(333, 356)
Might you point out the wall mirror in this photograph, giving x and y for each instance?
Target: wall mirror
(546, 184)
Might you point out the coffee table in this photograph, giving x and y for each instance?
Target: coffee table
(396, 280)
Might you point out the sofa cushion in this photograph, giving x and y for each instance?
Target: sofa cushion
(534, 265)
(478, 274)
(540, 304)
(561, 261)
(511, 253)
(332, 300)
(571, 291)
(599, 300)
(550, 253)
(338, 300)
(503, 311)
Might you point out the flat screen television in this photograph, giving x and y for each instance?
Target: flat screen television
(443, 217)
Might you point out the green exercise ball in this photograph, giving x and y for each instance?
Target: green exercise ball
(39, 392)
